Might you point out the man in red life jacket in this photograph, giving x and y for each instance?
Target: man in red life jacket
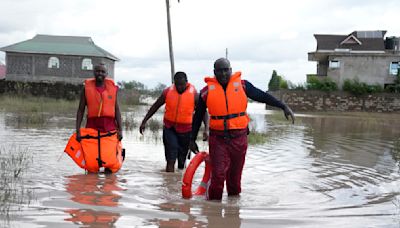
(180, 100)
(100, 96)
(225, 97)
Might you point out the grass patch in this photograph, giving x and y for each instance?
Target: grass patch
(155, 125)
(14, 161)
(128, 121)
(257, 138)
(36, 104)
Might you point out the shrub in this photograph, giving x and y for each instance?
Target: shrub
(360, 88)
(326, 84)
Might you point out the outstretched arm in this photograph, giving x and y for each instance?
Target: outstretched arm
(258, 95)
(153, 109)
(79, 114)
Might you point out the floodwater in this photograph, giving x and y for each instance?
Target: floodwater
(327, 170)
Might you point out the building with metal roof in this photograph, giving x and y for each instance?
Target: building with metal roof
(362, 55)
(49, 58)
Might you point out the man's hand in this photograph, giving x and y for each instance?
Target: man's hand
(120, 135)
(288, 112)
(193, 146)
(78, 136)
(142, 127)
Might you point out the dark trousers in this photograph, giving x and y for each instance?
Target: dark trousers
(176, 146)
(227, 160)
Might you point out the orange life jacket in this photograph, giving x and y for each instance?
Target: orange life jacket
(179, 107)
(86, 153)
(227, 109)
(100, 104)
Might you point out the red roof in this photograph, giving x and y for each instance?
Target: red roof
(2, 71)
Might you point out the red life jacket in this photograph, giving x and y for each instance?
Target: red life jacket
(227, 109)
(179, 108)
(100, 104)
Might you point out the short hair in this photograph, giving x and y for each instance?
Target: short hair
(179, 76)
(101, 64)
(222, 61)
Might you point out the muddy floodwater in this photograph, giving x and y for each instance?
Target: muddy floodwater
(327, 170)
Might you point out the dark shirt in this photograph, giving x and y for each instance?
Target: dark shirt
(252, 92)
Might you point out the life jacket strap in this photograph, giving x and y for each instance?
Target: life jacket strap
(227, 117)
(99, 136)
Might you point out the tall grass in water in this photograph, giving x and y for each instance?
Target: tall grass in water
(34, 111)
(36, 104)
(155, 125)
(128, 121)
(14, 161)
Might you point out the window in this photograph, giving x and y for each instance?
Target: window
(394, 67)
(53, 63)
(334, 64)
(87, 64)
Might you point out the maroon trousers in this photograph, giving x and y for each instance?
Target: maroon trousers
(227, 159)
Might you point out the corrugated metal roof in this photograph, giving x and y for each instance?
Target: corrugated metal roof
(331, 42)
(61, 45)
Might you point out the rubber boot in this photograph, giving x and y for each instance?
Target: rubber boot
(170, 166)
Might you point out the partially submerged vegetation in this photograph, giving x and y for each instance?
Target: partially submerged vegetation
(14, 161)
(32, 104)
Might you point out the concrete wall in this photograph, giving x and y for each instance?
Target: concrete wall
(34, 68)
(338, 101)
(369, 69)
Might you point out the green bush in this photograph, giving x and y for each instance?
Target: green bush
(360, 88)
(326, 84)
(283, 84)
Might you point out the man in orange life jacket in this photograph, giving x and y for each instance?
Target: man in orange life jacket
(100, 97)
(225, 97)
(180, 99)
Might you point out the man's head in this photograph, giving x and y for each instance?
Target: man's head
(180, 81)
(222, 71)
(100, 72)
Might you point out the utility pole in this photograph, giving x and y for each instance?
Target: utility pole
(226, 53)
(171, 52)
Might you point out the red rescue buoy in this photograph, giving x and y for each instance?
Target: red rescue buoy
(189, 173)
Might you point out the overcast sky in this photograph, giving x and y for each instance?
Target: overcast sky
(260, 35)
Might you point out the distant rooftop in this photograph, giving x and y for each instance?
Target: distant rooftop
(61, 45)
(357, 40)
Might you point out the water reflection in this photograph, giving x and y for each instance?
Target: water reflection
(352, 159)
(95, 190)
(197, 211)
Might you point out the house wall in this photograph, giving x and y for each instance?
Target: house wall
(322, 68)
(369, 69)
(34, 68)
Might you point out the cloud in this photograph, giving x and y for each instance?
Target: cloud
(260, 35)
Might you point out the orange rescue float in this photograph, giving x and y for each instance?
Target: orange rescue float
(189, 173)
(96, 149)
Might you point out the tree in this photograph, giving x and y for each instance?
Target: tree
(274, 82)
